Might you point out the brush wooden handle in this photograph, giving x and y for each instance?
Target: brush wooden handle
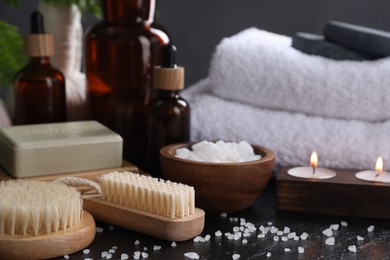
(49, 245)
(178, 229)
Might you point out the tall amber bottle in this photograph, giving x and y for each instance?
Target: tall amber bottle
(39, 89)
(121, 52)
(169, 114)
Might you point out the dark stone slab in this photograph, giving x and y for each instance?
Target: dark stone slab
(358, 38)
(316, 45)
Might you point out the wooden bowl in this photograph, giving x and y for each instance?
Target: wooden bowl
(220, 187)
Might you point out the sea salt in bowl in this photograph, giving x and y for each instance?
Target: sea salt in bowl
(220, 187)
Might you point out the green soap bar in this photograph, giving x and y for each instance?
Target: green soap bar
(46, 149)
(316, 45)
(359, 38)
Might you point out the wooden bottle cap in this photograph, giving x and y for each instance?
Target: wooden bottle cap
(39, 45)
(168, 78)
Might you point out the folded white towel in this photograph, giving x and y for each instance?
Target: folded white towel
(293, 136)
(262, 69)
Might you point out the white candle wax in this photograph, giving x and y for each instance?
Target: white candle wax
(307, 172)
(373, 176)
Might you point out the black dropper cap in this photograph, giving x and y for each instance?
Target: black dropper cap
(37, 23)
(169, 56)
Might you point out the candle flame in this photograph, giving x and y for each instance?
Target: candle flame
(314, 159)
(379, 164)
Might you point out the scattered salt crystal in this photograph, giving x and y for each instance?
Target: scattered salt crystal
(273, 230)
(276, 238)
(329, 241)
(156, 248)
(218, 233)
(235, 256)
(192, 255)
(88, 258)
(243, 221)
(173, 244)
(269, 223)
(360, 238)
(287, 250)
(136, 242)
(99, 229)
(286, 230)
(111, 251)
(334, 226)
(269, 254)
(124, 256)
(279, 233)
(244, 241)
(246, 234)
(296, 238)
(352, 248)
(145, 248)
(242, 228)
(233, 219)
(144, 255)
(198, 239)
(370, 228)
(344, 223)
(301, 250)
(284, 238)
(223, 215)
(110, 227)
(261, 228)
(291, 235)
(207, 237)
(109, 256)
(104, 254)
(236, 229)
(86, 251)
(328, 232)
(261, 235)
(137, 253)
(66, 256)
(304, 236)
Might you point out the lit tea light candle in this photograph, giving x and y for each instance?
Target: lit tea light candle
(312, 172)
(375, 176)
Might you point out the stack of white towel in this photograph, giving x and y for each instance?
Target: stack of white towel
(263, 91)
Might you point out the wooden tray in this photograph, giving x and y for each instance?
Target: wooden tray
(343, 195)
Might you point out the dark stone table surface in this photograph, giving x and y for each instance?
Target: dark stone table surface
(376, 244)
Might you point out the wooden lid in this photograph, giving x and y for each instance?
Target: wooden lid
(168, 78)
(39, 45)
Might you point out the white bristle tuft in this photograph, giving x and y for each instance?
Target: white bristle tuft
(149, 194)
(32, 207)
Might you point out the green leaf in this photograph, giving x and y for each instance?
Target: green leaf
(85, 6)
(12, 58)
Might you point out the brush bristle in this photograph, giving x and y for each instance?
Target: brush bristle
(149, 194)
(32, 207)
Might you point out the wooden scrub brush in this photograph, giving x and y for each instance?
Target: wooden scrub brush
(158, 208)
(40, 220)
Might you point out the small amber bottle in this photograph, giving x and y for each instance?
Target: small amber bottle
(168, 114)
(39, 88)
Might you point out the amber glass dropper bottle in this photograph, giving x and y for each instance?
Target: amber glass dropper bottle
(168, 113)
(39, 88)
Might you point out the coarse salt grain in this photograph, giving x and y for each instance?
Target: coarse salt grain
(86, 251)
(352, 248)
(112, 251)
(360, 238)
(328, 232)
(218, 233)
(236, 229)
(334, 226)
(109, 256)
(344, 223)
(274, 230)
(192, 255)
(198, 239)
(246, 234)
(88, 258)
(330, 241)
(286, 230)
(115, 247)
(287, 250)
(144, 255)
(304, 236)
(279, 233)
(269, 254)
(99, 229)
(156, 248)
(236, 256)
(269, 223)
(137, 254)
(244, 241)
(284, 238)
(207, 237)
(103, 254)
(276, 238)
(261, 235)
(145, 248)
(66, 256)
(124, 256)
(136, 242)
(173, 244)
(291, 235)
(301, 250)
(370, 228)
(223, 215)
(233, 219)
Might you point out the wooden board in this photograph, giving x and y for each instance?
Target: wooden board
(91, 175)
(343, 195)
(51, 245)
(177, 229)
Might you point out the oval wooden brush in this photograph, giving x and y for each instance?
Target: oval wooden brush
(40, 220)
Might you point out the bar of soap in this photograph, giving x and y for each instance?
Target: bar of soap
(315, 44)
(359, 38)
(46, 149)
